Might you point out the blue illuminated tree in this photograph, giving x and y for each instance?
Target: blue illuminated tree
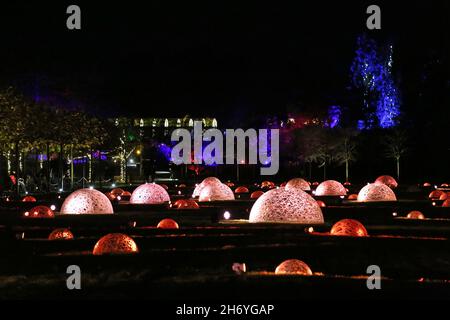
(371, 72)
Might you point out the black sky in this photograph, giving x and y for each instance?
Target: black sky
(216, 58)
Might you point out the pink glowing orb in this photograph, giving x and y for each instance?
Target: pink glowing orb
(293, 267)
(61, 234)
(286, 206)
(415, 215)
(149, 193)
(210, 181)
(241, 190)
(216, 192)
(350, 228)
(168, 224)
(376, 192)
(256, 194)
(87, 201)
(427, 184)
(298, 183)
(330, 188)
(115, 243)
(39, 212)
(387, 180)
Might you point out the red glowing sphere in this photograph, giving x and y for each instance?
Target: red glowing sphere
(256, 194)
(149, 193)
(39, 212)
(330, 188)
(346, 184)
(241, 190)
(168, 224)
(443, 197)
(427, 184)
(387, 180)
(444, 185)
(115, 243)
(164, 186)
(315, 184)
(298, 183)
(126, 194)
(117, 192)
(446, 203)
(110, 196)
(321, 203)
(60, 234)
(230, 184)
(415, 215)
(267, 184)
(186, 204)
(350, 228)
(29, 199)
(353, 197)
(283, 184)
(436, 194)
(293, 267)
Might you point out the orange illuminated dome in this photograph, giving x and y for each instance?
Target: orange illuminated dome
(186, 204)
(182, 185)
(427, 184)
(110, 196)
(321, 203)
(315, 184)
(241, 190)
(376, 192)
(230, 184)
(294, 267)
(149, 193)
(330, 188)
(286, 206)
(87, 201)
(29, 199)
(39, 212)
(216, 193)
(168, 224)
(298, 183)
(267, 184)
(126, 194)
(115, 243)
(415, 215)
(60, 234)
(436, 194)
(387, 180)
(283, 184)
(164, 186)
(256, 194)
(353, 197)
(347, 183)
(349, 227)
(446, 203)
(444, 185)
(117, 192)
(210, 181)
(443, 197)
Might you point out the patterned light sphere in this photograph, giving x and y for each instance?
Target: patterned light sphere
(210, 181)
(117, 192)
(298, 183)
(350, 228)
(87, 201)
(436, 194)
(149, 193)
(186, 204)
(286, 206)
(39, 212)
(167, 224)
(216, 193)
(115, 243)
(415, 215)
(267, 184)
(29, 199)
(241, 190)
(330, 188)
(256, 194)
(387, 180)
(376, 192)
(61, 234)
(293, 267)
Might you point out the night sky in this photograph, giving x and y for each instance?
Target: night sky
(216, 58)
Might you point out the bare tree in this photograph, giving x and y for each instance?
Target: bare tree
(346, 148)
(396, 146)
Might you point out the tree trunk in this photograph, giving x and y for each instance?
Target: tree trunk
(61, 164)
(48, 167)
(71, 167)
(16, 151)
(325, 171)
(346, 171)
(398, 169)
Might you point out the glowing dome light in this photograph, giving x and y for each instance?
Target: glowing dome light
(210, 181)
(186, 204)
(446, 203)
(387, 180)
(29, 199)
(376, 192)
(149, 193)
(241, 190)
(435, 194)
(256, 194)
(61, 234)
(353, 197)
(330, 188)
(110, 196)
(40, 212)
(443, 196)
(117, 192)
(167, 224)
(115, 243)
(415, 215)
(267, 184)
(286, 206)
(126, 194)
(427, 184)
(87, 201)
(216, 193)
(321, 203)
(227, 215)
(298, 183)
(350, 228)
(293, 267)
